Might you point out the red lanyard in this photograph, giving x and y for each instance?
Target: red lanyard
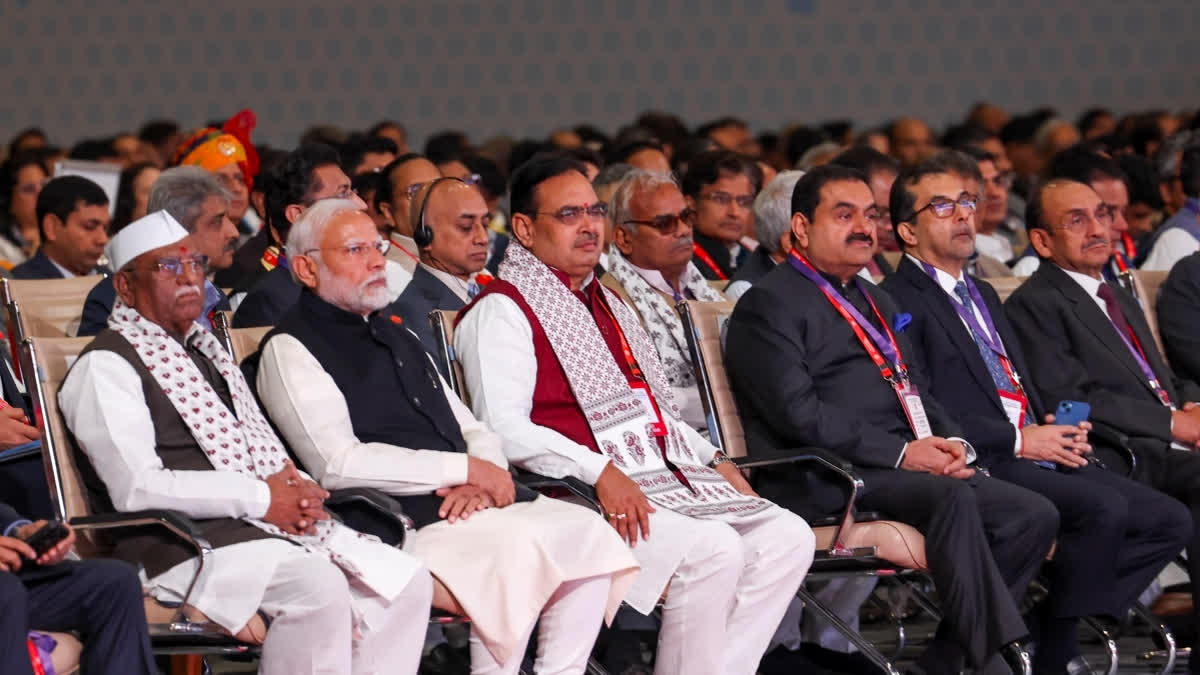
(708, 261)
(270, 258)
(1130, 249)
(404, 250)
(629, 360)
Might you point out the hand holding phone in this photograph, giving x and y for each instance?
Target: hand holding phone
(47, 536)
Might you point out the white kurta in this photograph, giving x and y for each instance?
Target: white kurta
(103, 405)
(531, 548)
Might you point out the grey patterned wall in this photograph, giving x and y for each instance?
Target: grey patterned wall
(526, 66)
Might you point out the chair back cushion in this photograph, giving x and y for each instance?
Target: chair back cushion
(1006, 285)
(51, 307)
(442, 321)
(1149, 283)
(704, 325)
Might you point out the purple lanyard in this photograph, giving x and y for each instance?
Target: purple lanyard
(1147, 371)
(990, 336)
(884, 345)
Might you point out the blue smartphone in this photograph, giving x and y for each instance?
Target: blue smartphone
(1071, 413)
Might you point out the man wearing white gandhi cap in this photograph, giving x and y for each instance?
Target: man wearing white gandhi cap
(164, 419)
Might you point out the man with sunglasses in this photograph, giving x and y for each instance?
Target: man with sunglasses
(1087, 340)
(819, 357)
(1114, 535)
(720, 186)
(564, 371)
(650, 267)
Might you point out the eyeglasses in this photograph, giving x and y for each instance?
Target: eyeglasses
(1004, 180)
(668, 223)
(345, 192)
(173, 266)
(944, 208)
(412, 190)
(1077, 220)
(472, 179)
(724, 199)
(574, 216)
(358, 249)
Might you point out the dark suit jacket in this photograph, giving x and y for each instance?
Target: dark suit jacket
(268, 300)
(247, 263)
(801, 378)
(719, 252)
(8, 516)
(424, 294)
(757, 264)
(37, 267)
(948, 355)
(1179, 317)
(1078, 355)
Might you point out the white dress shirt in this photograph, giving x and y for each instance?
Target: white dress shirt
(1026, 266)
(659, 283)
(995, 245)
(1172, 246)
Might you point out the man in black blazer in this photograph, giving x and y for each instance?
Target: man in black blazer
(450, 221)
(72, 214)
(803, 376)
(100, 599)
(1087, 340)
(1179, 316)
(1114, 535)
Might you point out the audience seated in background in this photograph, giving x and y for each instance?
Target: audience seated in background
(881, 170)
(605, 184)
(805, 372)
(1179, 235)
(100, 600)
(195, 199)
(1114, 535)
(402, 179)
(552, 358)
(72, 215)
(228, 154)
(1088, 341)
(327, 379)
(773, 228)
(720, 186)
(164, 419)
(451, 233)
(650, 268)
(21, 179)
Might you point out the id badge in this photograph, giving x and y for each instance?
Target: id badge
(1014, 407)
(642, 391)
(910, 400)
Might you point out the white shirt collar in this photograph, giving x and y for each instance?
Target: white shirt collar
(456, 285)
(943, 278)
(1089, 284)
(657, 281)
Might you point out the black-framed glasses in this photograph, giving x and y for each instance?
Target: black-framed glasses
(668, 223)
(173, 266)
(1077, 220)
(358, 249)
(944, 208)
(575, 215)
(724, 199)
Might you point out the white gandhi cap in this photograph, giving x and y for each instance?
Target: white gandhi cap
(144, 234)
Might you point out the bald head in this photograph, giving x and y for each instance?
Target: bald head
(1071, 226)
(457, 216)
(910, 140)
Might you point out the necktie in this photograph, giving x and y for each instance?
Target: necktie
(1109, 296)
(990, 358)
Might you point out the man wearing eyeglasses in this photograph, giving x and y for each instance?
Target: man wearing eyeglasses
(650, 267)
(1087, 340)
(720, 186)
(993, 209)
(164, 419)
(564, 371)
(402, 179)
(1114, 535)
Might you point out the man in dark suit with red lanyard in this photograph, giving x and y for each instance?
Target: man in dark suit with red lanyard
(818, 357)
(1115, 535)
(1087, 340)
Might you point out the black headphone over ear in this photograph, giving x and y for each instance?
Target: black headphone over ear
(422, 233)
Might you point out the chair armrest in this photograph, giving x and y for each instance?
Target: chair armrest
(174, 521)
(1116, 439)
(827, 461)
(543, 484)
(371, 511)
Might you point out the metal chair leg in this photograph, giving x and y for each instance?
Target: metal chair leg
(868, 650)
(1164, 634)
(1108, 641)
(889, 610)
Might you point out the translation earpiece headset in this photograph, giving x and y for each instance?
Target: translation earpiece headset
(422, 233)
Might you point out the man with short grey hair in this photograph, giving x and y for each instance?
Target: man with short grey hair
(605, 184)
(198, 201)
(773, 216)
(650, 267)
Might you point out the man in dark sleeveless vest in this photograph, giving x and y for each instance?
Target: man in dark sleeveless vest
(164, 419)
(361, 404)
(564, 371)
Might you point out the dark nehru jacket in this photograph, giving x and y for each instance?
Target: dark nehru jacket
(156, 548)
(390, 385)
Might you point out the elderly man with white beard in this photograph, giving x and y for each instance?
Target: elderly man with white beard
(165, 420)
(362, 405)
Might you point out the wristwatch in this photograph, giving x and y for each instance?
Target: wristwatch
(719, 459)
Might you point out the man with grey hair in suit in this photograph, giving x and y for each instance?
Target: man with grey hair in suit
(773, 218)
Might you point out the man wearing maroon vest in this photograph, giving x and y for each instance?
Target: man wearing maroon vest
(563, 370)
